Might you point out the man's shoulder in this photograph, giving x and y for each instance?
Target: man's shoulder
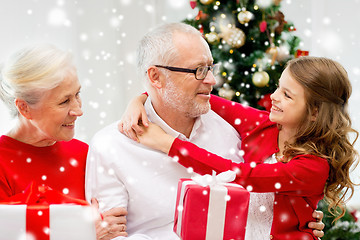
(212, 121)
(109, 129)
(108, 134)
(212, 116)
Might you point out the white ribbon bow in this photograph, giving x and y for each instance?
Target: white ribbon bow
(212, 180)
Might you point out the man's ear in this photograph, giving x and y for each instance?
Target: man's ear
(23, 108)
(154, 76)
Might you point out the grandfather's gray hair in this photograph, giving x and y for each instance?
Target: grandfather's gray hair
(157, 46)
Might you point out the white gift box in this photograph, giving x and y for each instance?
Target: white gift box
(66, 222)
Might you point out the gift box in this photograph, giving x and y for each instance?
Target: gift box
(210, 208)
(40, 213)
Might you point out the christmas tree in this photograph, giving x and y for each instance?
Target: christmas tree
(252, 41)
(347, 228)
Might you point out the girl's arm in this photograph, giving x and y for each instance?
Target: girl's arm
(304, 174)
(295, 177)
(242, 118)
(134, 117)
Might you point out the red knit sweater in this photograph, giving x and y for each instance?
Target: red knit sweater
(61, 167)
(298, 184)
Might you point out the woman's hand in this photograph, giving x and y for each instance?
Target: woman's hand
(133, 116)
(154, 137)
(110, 224)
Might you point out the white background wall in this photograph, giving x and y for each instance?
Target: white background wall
(102, 34)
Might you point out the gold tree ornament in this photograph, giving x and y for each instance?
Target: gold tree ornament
(206, 2)
(219, 81)
(212, 37)
(260, 79)
(226, 92)
(283, 53)
(277, 2)
(235, 37)
(245, 16)
(273, 52)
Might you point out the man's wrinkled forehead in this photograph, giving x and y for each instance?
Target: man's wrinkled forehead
(193, 47)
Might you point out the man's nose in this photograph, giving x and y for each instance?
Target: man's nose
(210, 78)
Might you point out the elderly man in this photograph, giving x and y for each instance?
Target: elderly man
(178, 69)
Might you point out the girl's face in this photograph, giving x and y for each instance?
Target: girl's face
(288, 102)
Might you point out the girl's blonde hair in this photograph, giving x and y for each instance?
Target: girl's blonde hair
(31, 71)
(327, 91)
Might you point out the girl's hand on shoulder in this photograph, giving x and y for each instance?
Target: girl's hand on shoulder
(133, 117)
(154, 137)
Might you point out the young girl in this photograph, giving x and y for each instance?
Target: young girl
(298, 152)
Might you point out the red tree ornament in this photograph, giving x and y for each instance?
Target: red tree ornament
(355, 214)
(201, 29)
(201, 16)
(263, 26)
(300, 53)
(192, 4)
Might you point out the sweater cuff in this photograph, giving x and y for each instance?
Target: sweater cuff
(175, 146)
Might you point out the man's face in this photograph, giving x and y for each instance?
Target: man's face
(183, 91)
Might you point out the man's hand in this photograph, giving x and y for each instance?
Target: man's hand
(317, 226)
(110, 224)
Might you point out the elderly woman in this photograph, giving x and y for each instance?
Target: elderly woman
(40, 86)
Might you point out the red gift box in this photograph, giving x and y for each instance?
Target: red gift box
(212, 212)
(42, 213)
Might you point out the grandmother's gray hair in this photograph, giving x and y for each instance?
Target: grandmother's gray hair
(157, 46)
(31, 71)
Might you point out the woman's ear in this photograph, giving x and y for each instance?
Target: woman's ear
(154, 76)
(23, 108)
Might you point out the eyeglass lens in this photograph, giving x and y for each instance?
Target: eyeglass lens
(201, 72)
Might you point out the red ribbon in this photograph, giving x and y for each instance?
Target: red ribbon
(38, 199)
(37, 222)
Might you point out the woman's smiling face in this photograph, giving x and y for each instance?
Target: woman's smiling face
(55, 114)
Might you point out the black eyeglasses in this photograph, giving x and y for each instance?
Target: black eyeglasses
(200, 72)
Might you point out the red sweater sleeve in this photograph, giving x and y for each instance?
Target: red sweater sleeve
(242, 118)
(303, 175)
